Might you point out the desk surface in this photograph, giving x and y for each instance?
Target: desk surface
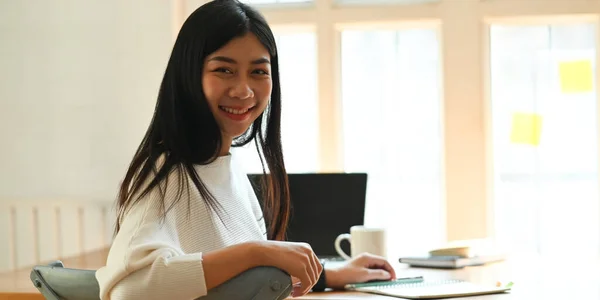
(534, 278)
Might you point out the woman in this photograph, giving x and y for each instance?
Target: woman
(188, 218)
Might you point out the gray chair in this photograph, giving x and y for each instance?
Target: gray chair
(56, 282)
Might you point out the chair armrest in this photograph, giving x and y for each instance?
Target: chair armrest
(57, 283)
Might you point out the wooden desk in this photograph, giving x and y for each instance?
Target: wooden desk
(534, 278)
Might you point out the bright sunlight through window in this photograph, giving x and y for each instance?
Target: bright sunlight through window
(545, 139)
(392, 130)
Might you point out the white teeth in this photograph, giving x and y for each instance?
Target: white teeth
(234, 111)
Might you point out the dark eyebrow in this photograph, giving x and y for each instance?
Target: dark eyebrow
(259, 61)
(224, 59)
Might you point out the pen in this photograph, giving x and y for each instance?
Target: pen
(384, 283)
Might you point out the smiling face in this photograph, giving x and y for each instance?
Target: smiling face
(237, 84)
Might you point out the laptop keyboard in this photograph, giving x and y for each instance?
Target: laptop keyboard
(331, 258)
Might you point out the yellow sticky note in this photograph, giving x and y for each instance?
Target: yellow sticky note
(576, 76)
(526, 129)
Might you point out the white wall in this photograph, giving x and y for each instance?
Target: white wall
(78, 84)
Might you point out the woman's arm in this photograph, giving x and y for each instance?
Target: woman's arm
(224, 264)
(164, 274)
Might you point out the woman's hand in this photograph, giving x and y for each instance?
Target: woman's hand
(363, 268)
(297, 259)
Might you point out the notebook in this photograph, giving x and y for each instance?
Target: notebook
(449, 262)
(418, 288)
(458, 254)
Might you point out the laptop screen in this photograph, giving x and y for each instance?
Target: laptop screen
(324, 205)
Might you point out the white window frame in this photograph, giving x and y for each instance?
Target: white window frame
(538, 20)
(464, 30)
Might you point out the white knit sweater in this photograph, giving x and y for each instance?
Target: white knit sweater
(150, 259)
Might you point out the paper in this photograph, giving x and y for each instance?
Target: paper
(576, 76)
(526, 129)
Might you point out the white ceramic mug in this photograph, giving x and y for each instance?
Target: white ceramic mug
(362, 239)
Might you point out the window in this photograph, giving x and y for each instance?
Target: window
(544, 128)
(299, 116)
(392, 130)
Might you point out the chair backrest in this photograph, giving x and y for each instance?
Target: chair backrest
(56, 282)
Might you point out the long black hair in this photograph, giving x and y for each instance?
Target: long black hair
(183, 130)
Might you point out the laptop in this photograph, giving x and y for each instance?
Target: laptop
(323, 206)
